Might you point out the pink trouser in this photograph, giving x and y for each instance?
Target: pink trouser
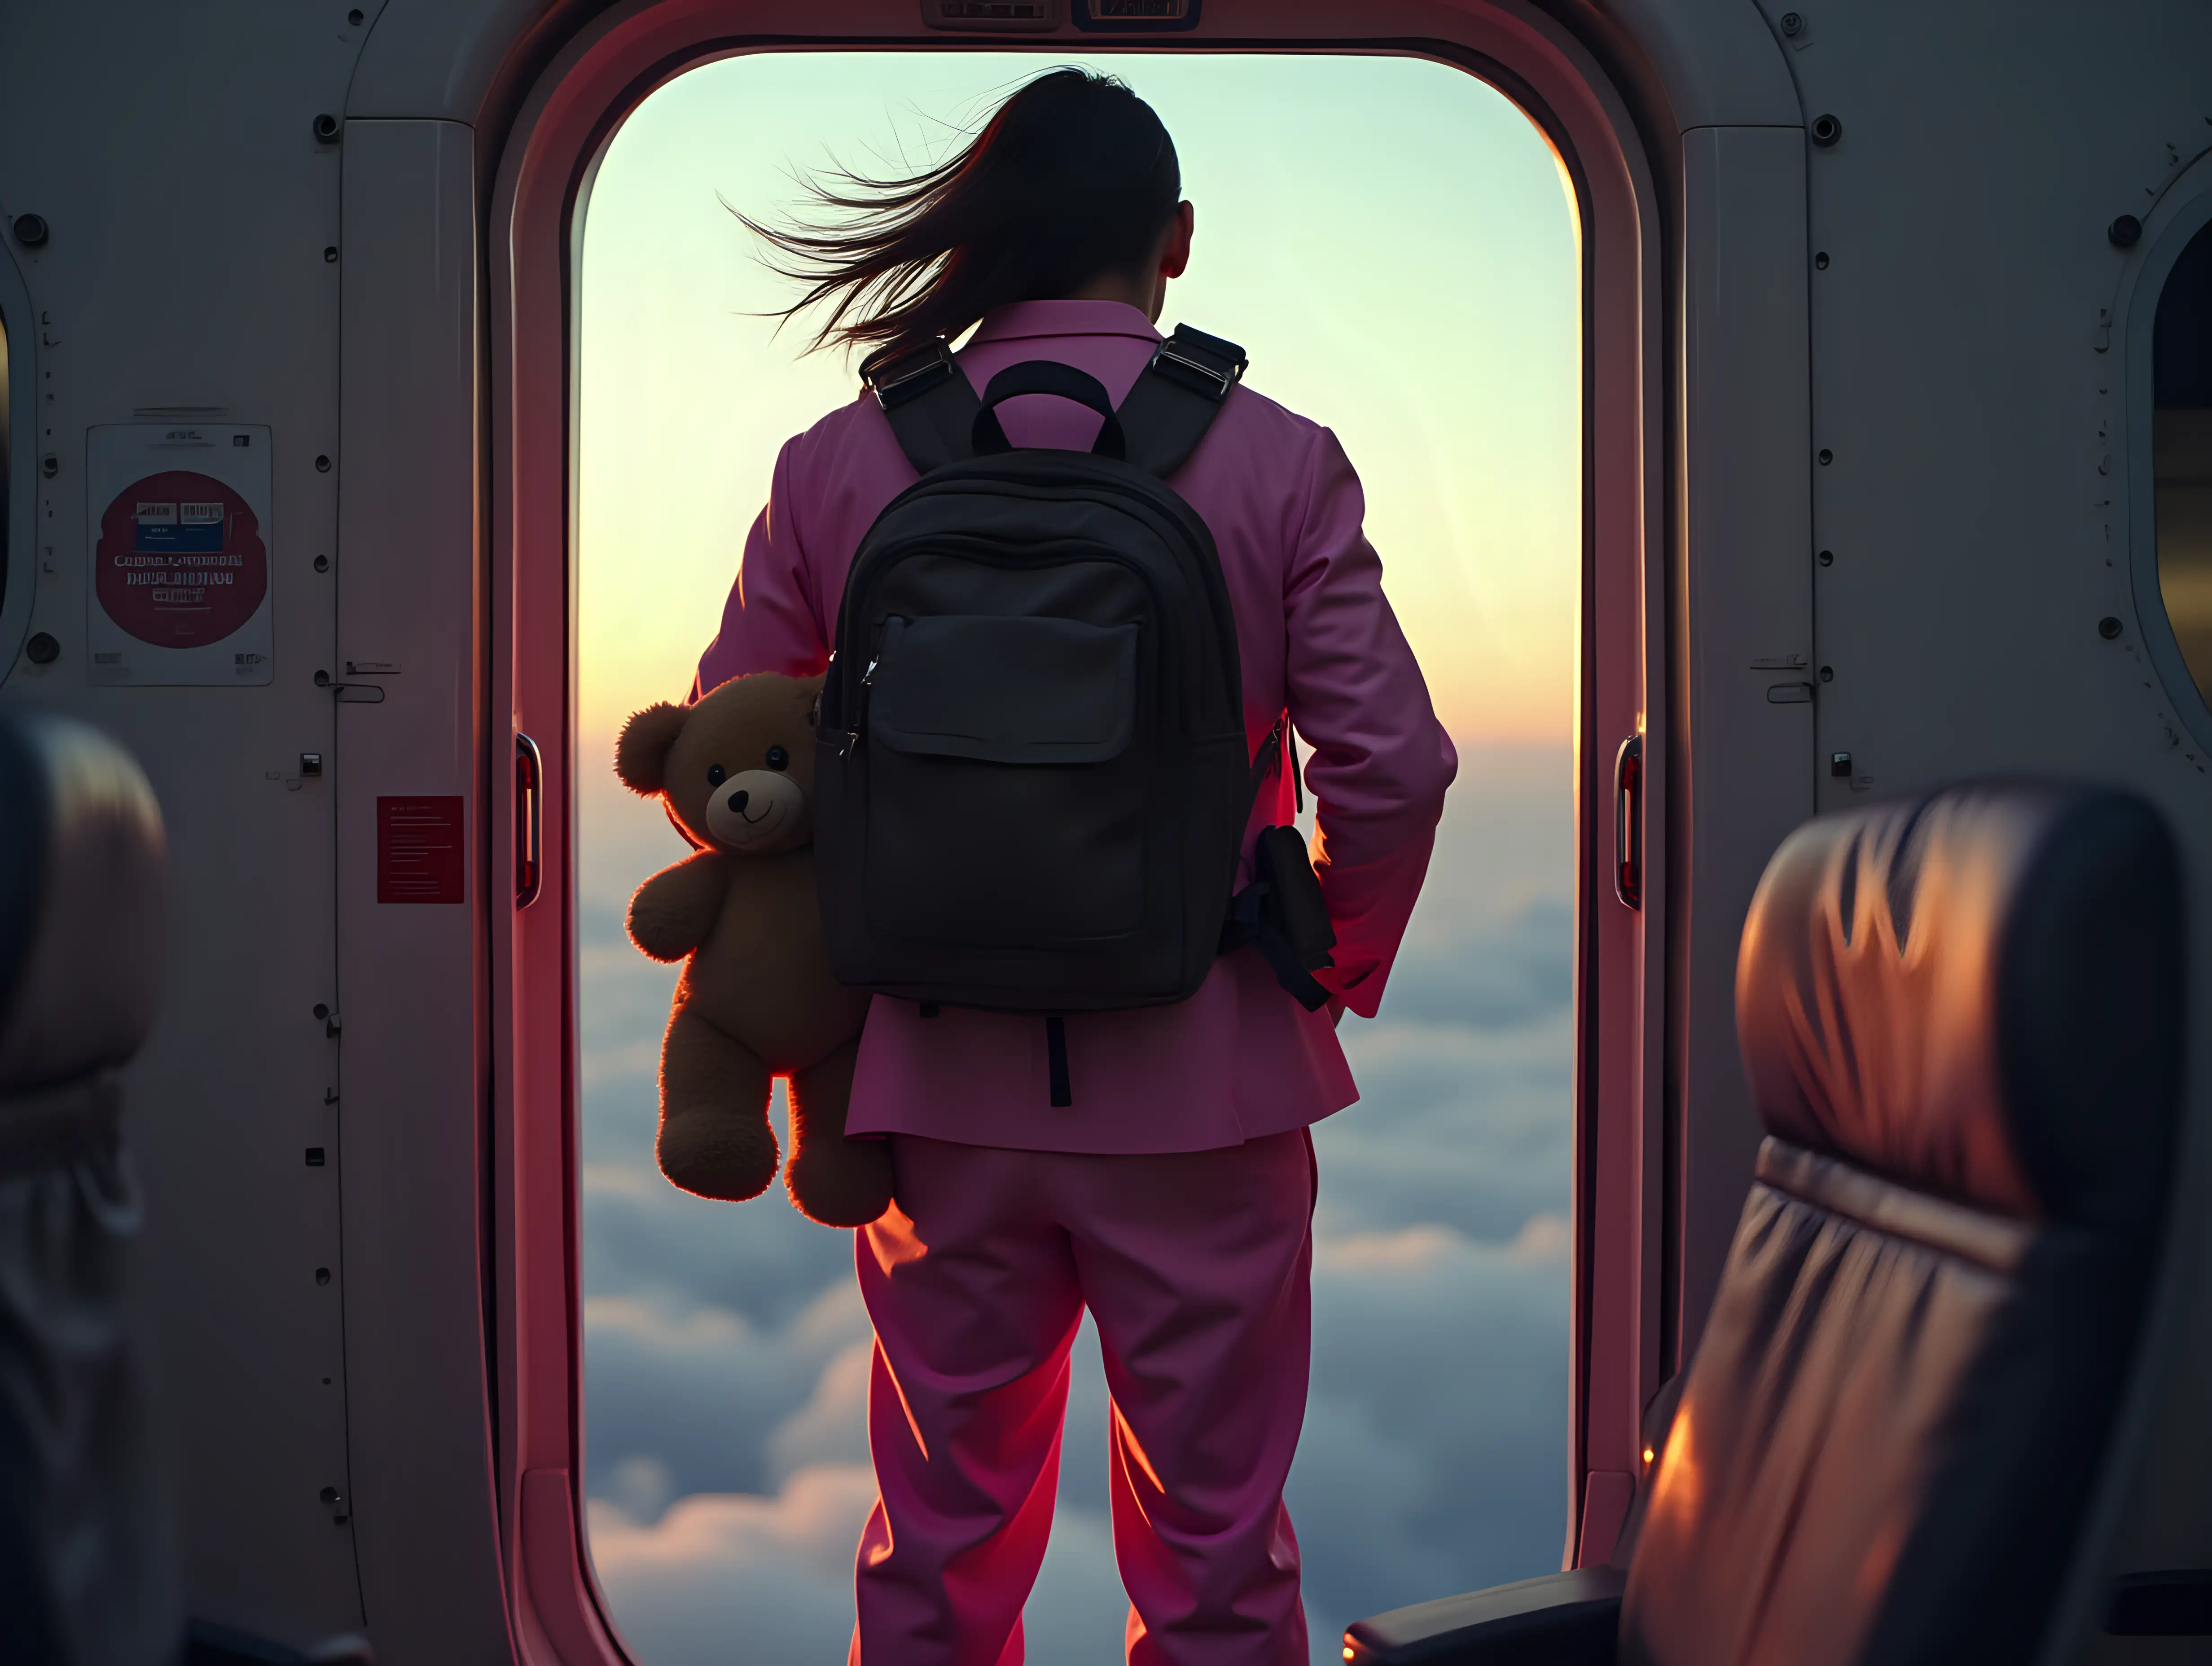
(1196, 1266)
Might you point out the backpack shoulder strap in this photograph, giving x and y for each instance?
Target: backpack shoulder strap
(1174, 401)
(931, 404)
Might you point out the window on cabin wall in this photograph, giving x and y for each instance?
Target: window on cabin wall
(2181, 453)
(1393, 242)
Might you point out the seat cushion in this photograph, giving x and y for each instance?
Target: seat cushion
(22, 853)
(1895, 1415)
(83, 902)
(1977, 992)
(1960, 1016)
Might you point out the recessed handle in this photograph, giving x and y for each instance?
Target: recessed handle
(529, 820)
(1628, 823)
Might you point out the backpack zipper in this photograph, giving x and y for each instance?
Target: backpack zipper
(858, 722)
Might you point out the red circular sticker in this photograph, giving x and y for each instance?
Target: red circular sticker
(180, 561)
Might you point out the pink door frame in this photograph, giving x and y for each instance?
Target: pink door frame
(552, 154)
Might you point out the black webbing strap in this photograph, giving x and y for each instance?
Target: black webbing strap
(1260, 915)
(931, 404)
(1253, 922)
(1174, 401)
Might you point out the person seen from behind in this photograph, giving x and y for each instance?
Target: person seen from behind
(1170, 1189)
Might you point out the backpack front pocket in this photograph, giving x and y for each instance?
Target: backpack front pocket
(1008, 789)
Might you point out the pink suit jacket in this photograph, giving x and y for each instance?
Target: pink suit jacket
(1240, 1059)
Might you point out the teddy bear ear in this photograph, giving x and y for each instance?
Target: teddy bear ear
(641, 753)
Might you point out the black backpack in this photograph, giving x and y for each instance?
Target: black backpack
(1031, 781)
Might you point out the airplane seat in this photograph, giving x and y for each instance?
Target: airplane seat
(1960, 1015)
(86, 1571)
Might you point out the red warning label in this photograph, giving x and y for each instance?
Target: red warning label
(180, 560)
(418, 851)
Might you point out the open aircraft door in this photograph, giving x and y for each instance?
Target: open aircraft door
(1672, 544)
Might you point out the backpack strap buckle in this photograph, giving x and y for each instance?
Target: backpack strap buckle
(1177, 398)
(1204, 364)
(926, 399)
(897, 379)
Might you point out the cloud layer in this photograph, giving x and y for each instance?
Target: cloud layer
(726, 1349)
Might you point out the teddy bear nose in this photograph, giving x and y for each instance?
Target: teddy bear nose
(737, 801)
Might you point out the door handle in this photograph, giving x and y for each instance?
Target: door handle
(529, 820)
(1628, 823)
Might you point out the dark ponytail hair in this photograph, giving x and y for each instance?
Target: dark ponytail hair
(1073, 178)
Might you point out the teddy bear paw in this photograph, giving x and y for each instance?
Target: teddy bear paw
(715, 1156)
(842, 1183)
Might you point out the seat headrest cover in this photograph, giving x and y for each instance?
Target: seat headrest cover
(1977, 992)
(83, 902)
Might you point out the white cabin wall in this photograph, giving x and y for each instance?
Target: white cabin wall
(1954, 373)
(1961, 380)
(1744, 634)
(171, 149)
(438, 60)
(415, 1076)
(1714, 62)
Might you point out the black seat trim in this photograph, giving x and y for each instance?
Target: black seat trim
(1567, 1619)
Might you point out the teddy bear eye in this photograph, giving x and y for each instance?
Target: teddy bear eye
(778, 758)
(715, 775)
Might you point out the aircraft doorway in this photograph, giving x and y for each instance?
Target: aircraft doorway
(1396, 246)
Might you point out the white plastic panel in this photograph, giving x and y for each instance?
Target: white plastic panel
(1746, 635)
(1970, 383)
(436, 59)
(190, 277)
(1716, 58)
(1718, 62)
(411, 895)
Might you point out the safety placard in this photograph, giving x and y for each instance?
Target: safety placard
(180, 527)
(420, 854)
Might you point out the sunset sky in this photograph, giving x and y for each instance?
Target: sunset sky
(1389, 239)
(1392, 242)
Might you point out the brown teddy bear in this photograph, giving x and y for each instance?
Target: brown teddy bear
(757, 1001)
